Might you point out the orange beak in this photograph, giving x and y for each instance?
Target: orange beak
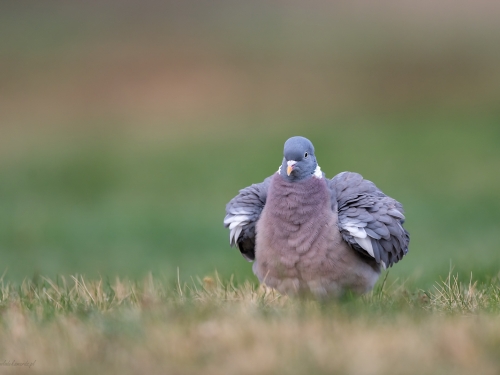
(289, 170)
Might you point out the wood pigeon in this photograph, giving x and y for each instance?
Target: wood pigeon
(309, 234)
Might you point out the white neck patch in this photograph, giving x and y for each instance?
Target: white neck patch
(318, 173)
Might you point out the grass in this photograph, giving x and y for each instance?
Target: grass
(126, 128)
(76, 325)
(123, 205)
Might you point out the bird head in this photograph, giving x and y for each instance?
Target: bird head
(299, 161)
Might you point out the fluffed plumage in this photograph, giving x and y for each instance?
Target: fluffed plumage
(309, 234)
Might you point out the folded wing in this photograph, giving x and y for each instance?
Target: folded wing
(242, 214)
(369, 221)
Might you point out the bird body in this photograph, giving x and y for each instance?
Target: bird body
(299, 248)
(309, 234)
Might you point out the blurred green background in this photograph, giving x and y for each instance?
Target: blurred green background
(126, 126)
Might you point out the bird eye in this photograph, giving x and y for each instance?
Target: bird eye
(305, 155)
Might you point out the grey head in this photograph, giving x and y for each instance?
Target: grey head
(299, 161)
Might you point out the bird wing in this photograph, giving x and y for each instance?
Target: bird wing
(242, 214)
(369, 221)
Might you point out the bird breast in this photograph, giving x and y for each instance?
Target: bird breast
(296, 213)
(297, 220)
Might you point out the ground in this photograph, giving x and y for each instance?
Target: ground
(76, 325)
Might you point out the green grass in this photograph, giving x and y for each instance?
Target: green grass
(122, 205)
(76, 325)
(125, 129)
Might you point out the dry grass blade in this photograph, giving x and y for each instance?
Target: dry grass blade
(453, 296)
(213, 326)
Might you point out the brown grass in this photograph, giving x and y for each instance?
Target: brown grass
(213, 327)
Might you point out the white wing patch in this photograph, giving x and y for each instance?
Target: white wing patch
(361, 237)
(236, 223)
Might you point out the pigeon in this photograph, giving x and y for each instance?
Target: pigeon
(307, 234)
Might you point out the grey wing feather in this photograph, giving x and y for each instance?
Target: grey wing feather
(369, 221)
(242, 214)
